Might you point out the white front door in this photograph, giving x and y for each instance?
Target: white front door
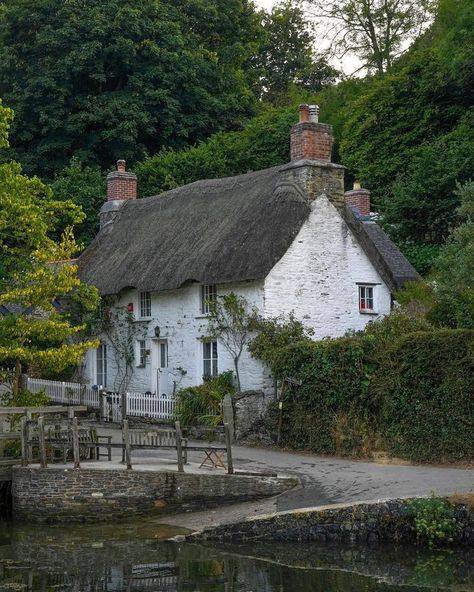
(161, 379)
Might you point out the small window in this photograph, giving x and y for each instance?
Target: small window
(208, 294)
(366, 298)
(142, 352)
(101, 360)
(145, 305)
(209, 351)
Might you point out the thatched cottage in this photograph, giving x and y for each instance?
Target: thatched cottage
(287, 238)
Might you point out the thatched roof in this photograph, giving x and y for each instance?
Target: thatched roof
(211, 232)
(214, 232)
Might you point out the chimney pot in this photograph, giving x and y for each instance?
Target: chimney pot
(121, 166)
(304, 113)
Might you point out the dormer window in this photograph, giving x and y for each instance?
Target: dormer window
(366, 299)
(208, 294)
(145, 305)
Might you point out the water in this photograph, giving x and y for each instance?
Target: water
(136, 557)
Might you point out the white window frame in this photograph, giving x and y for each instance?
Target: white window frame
(145, 305)
(210, 359)
(141, 353)
(366, 296)
(208, 293)
(101, 362)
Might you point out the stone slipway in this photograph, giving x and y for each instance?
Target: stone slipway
(368, 522)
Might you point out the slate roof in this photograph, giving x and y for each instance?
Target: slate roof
(214, 232)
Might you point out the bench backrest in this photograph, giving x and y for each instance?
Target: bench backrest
(154, 437)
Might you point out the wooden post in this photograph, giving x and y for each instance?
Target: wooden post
(179, 447)
(280, 411)
(103, 406)
(70, 413)
(126, 443)
(82, 394)
(24, 446)
(228, 414)
(75, 444)
(29, 447)
(42, 443)
(228, 444)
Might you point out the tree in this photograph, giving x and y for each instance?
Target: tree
(376, 31)
(231, 320)
(37, 274)
(105, 79)
(85, 186)
(286, 57)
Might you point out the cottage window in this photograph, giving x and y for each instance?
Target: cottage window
(208, 294)
(101, 360)
(142, 352)
(145, 305)
(209, 356)
(366, 298)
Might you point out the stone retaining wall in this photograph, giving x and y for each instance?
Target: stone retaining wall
(388, 521)
(90, 495)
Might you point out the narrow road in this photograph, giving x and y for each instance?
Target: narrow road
(326, 480)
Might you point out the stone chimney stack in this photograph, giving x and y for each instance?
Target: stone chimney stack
(121, 186)
(311, 140)
(358, 199)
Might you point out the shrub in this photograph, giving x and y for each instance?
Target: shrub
(434, 520)
(424, 386)
(202, 404)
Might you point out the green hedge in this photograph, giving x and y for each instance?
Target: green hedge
(414, 398)
(426, 391)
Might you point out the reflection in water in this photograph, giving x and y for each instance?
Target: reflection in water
(136, 557)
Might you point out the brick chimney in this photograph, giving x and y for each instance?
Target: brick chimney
(120, 184)
(358, 199)
(311, 140)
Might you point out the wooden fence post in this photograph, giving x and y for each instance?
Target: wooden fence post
(42, 443)
(179, 447)
(24, 442)
(29, 446)
(228, 414)
(82, 394)
(126, 442)
(228, 445)
(70, 413)
(103, 406)
(75, 444)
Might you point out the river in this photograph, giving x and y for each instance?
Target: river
(137, 556)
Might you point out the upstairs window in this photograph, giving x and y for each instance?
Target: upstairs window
(208, 294)
(209, 358)
(101, 361)
(145, 305)
(366, 298)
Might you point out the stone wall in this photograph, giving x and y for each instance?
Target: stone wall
(250, 408)
(90, 495)
(388, 521)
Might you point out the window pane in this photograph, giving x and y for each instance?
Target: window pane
(163, 356)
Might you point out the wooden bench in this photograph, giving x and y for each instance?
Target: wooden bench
(60, 438)
(154, 438)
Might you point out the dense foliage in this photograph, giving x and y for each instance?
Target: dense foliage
(107, 79)
(202, 404)
(400, 387)
(434, 519)
(36, 244)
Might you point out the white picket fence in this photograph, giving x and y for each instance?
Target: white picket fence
(69, 393)
(141, 405)
(138, 404)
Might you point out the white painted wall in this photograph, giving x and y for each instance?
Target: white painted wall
(318, 275)
(177, 314)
